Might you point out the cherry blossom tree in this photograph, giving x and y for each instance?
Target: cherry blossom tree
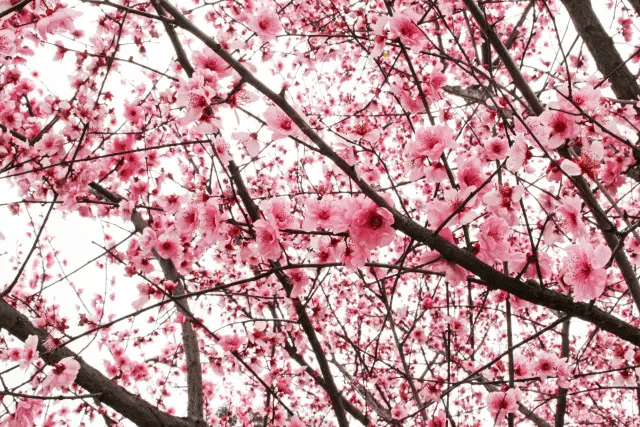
(320, 213)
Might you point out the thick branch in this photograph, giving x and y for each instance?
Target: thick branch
(601, 46)
(128, 405)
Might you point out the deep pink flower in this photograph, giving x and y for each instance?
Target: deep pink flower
(370, 225)
(584, 270)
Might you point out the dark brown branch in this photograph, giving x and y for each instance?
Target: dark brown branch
(601, 46)
(128, 405)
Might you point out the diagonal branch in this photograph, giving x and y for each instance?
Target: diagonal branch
(128, 405)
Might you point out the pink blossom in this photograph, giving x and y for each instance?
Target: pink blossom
(320, 213)
(231, 342)
(266, 24)
(430, 142)
(502, 403)
(27, 410)
(496, 148)
(370, 225)
(211, 220)
(454, 201)
(196, 96)
(571, 211)
(279, 123)
(268, 239)
(518, 154)
(133, 113)
(168, 246)
(354, 255)
(295, 422)
(63, 374)
(29, 352)
(398, 412)
(561, 127)
(59, 21)
(584, 270)
(544, 364)
(470, 173)
(221, 148)
(279, 211)
(452, 272)
(209, 60)
(7, 42)
(403, 26)
(493, 240)
(299, 279)
(187, 219)
(587, 163)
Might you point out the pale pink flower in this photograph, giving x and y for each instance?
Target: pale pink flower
(430, 142)
(265, 24)
(584, 270)
(398, 412)
(25, 414)
(502, 403)
(133, 113)
(268, 239)
(168, 245)
(196, 96)
(210, 220)
(470, 173)
(209, 60)
(454, 201)
(222, 150)
(403, 26)
(187, 219)
(320, 213)
(279, 123)
(29, 352)
(7, 42)
(231, 342)
(518, 154)
(571, 210)
(587, 163)
(63, 374)
(59, 21)
(279, 211)
(496, 148)
(544, 364)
